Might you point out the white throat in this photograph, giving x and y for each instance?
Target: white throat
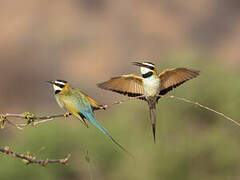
(57, 88)
(145, 70)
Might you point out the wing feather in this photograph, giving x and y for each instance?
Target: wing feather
(172, 78)
(94, 104)
(69, 105)
(130, 85)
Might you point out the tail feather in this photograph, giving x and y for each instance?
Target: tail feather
(154, 132)
(92, 120)
(152, 109)
(83, 120)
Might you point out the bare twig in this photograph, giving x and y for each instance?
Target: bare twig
(29, 159)
(88, 160)
(128, 99)
(202, 106)
(187, 101)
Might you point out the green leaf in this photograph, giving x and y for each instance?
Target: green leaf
(29, 115)
(2, 117)
(3, 123)
(25, 161)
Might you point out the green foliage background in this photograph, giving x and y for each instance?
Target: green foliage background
(192, 143)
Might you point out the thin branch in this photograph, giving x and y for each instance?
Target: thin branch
(29, 159)
(88, 160)
(202, 106)
(124, 100)
(187, 101)
(32, 119)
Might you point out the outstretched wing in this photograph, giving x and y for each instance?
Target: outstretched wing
(130, 85)
(95, 105)
(172, 78)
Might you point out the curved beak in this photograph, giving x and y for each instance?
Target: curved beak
(138, 64)
(50, 82)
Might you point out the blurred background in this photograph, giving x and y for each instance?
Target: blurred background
(89, 41)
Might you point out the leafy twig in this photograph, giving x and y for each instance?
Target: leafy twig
(29, 159)
(32, 119)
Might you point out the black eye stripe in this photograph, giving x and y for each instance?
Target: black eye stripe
(150, 63)
(149, 67)
(62, 81)
(60, 85)
(147, 75)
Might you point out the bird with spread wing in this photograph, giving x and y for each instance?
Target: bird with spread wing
(150, 86)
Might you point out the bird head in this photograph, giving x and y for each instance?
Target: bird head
(147, 68)
(59, 86)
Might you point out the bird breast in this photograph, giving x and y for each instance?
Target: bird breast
(151, 86)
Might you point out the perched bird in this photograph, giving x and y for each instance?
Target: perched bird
(150, 85)
(80, 105)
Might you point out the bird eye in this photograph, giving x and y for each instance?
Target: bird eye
(151, 67)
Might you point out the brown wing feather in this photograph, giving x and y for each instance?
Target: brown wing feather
(95, 105)
(172, 78)
(130, 85)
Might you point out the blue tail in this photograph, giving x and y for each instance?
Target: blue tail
(92, 120)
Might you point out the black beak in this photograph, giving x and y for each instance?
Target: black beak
(137, 64)
(50, 82)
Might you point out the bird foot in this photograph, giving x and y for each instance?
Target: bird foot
(67, 114)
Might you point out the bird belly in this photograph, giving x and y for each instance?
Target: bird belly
(151, 86)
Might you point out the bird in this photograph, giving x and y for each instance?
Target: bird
(80, 105)
(150, 86)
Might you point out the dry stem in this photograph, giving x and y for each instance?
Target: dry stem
(187, 101)
(29, 159)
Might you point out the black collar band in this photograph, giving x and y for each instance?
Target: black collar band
(57, 91)
(60, 85)
(147, 75)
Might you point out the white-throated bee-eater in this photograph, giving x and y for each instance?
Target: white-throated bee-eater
(150, 85)
(80, 105)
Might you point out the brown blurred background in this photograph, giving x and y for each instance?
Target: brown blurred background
(86, 41)
(89, 41)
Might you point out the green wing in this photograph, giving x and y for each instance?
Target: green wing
(74, 104)
(94, 104)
